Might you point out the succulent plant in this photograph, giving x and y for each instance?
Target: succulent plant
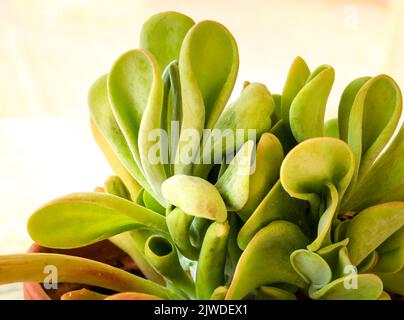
(285, 205)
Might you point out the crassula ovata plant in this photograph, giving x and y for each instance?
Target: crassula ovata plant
(256, 199)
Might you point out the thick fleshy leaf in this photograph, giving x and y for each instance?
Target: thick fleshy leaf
(162, 35)
(274, 293)
(152, 204)
(30, 267)
(80, 219)
(277, 205)
(312, 163)
(331, 128)
(306, 114)
(219, 293)
(393, 282)
(163, 256)
(330, 203)
(129, 85)
(277, 114)
(250, 113)
(208, 69)
(152, 160)
(369, 263)
(83, 294)
(296, 79)
(390, 255)
(369, 287)
(315, 163)
(110, 139)
(282, 131)
(135, 89)
(345, 105)
(273, 245)
(171, 115)
(340, 230)
(132, 242)
(234, 184)
(212, 259)
(311, 267)
(201, 198)
(115, 186)
(369, 191)
(179, 224)
(373, 118)
(268, 160)
(330, 253)
(371, 227)
(132, 296)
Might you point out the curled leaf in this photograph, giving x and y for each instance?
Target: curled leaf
(163, 256)
(273, 244)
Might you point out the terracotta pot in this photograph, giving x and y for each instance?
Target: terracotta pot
(103, 251)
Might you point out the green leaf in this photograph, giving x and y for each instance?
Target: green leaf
(110, 137)
(132, 242)
(201, 198)
(163, 256)
(296, 79)
(273, 293)
(268, 160)
(277, 114)
(326, 219)
(331, 128)
(345, 105)
(373, 118)
(318, 165)
(162, 35)
(369, 287)
(80, 219)
(251, 111)
(219, 293)
(282, 131)
(393, 282)
(179, 224)
(208, 66)
(135, 89)
(277, 205)
(115, 186)
(30, 268)
(330, 253)
(371, 227)
(369, 191)
(273, 245)
(152, 203)
(234, 184)
(311, 267)
(390, 255)
(212, 259)
(306, 114)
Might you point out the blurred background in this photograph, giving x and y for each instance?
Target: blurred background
(52, 50)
